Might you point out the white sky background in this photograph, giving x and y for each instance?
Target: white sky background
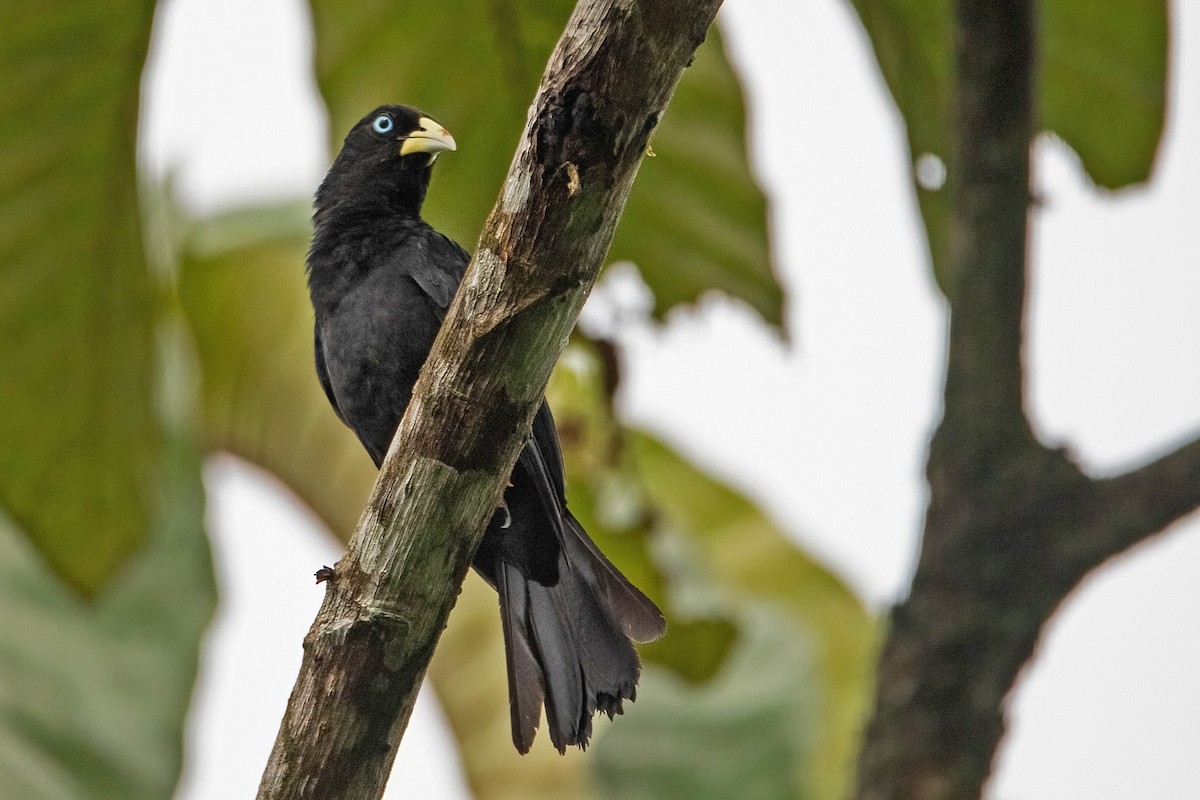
(829, 434)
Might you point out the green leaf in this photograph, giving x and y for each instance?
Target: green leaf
(737, 553)
(94, 695)
(737, 736)
(721, 564)
(696, 220)
(1103, 72)
(697, 648)
(243, 291)
(76, 301)
(1105, 84)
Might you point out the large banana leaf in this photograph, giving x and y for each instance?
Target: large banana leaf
(105, 579)
(789, 700)
(78, 427)
(93, 694)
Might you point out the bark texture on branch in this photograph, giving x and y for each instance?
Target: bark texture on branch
(606, 86)
(1012, 526)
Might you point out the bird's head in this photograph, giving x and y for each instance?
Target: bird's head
(385, 161)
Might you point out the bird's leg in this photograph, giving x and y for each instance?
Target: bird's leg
(504, 507)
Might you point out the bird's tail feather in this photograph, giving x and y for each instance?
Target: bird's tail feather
(637, 616)
(526, 684)
(569, 645)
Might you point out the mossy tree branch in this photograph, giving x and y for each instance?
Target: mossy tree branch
(605, 88)
(1012, 526)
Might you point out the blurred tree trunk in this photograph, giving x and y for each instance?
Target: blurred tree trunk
(1012, 526)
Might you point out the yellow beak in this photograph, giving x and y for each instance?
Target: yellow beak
(429, 137)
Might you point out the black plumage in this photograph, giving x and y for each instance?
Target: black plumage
(381, 280)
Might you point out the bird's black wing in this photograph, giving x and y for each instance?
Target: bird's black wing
(376, 321)
(323, 372)
(437, 267)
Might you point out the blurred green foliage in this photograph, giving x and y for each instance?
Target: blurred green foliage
(93, 694)
(77, 304)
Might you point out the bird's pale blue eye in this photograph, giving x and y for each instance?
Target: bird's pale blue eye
(383, 123)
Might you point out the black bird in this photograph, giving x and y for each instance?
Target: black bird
(381, 280)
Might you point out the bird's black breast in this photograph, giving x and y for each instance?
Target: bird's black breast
(378, 309)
